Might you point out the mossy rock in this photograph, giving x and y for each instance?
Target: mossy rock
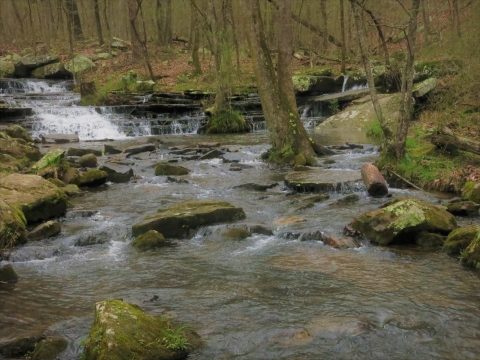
(179, 221)
(79, 65)
(12, 226)
(58, 183)
(429, 240)
(18, 132)
(6, 69)
(88, 160)
(236, 233)
(471, 255)
(459, 239)
(307, 83)
(45, 230)
(471, 192)
(51, 159)
(72, 190)
(122, 331)
(400, 221)
(49, 349)
(52, 71)
(37, 198)
(19, 149)
(166, 169)
(463, 208)
(226, 122)
(145, 86)
(438, 68)
(8, 274)
(150, 240)
(90, 178)
(424, 87)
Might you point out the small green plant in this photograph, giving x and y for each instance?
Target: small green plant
(174, 338)
(226, 121)
(374, 130)
(334, 106)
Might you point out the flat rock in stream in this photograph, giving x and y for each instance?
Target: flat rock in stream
(111, 149)
(232, 157)
(90, 178)
(60, 138)
(180, 220)
(137, 149)
(117, 173)
(81, 151)
(45, 230)
(256, 187)
(321, 180)
(214, 154)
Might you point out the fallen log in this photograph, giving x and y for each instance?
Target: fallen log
(374, 181)
(448, 140)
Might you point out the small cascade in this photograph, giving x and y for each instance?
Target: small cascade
(359, 87)
(305, 111)
(345, 80)
(30, 86)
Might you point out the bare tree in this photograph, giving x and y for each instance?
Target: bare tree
(98, 22)
(74, 18)
(344, 40)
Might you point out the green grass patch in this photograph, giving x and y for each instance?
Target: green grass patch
(226, 121)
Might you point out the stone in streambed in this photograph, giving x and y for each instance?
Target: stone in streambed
(459, 239)
(169, 169)
(112, 150)
(72, 190)
(137, 149)
(49, 349)
(57, 182)
(236, 233)
(8, 274)
(339, 243)
(471, 192)
(90, 178)
(429, 240)
(59, 138)
(320, 180)
(80, 152)
(256, 187)
(117, 173)
(400, 221)
(124, 331)
(471, 255)
(463, 208)
(88, 160)
(346, 200)
(18, 132)
(45, 230)
(213, 154)
(150, 240)
(179, 220)
(12, 225)
(20, 345)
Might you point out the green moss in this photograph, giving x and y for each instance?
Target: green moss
(225, 122)
(471, 192)
(459, 239)
(471, 255)
(150, 240)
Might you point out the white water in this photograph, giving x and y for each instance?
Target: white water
(345, 80)
(32, 87)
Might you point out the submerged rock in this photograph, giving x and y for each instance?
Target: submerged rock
(236, 233)
(256, 187)
(37, 198)
(12, 226)
(463, 208)
(49, 349)
(169, 169)
(213, 154)
(150, 240)
(124, 331)
(459, 239)
(90, 178)
(117, 173)
(179, 220)
(45, 230)
(8, 274)
(400, 221)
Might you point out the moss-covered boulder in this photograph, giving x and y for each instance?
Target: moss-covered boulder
(471, 255)
(45, 230)
(236, 233)
(19, 345)
(49, 349)
(51, 159)
(463, 208)
(424, 87)
(123, 331)
(471, 192)
(145, 86)
(72, 190)
(52, 71)
(18, 132)
(150, 240)
(6, 68)
(307, 83)
(57, 182)
(79, 64)
(28, 63)
(90, 178)
(429, 240)
(402, 220)
(169, 169)
(8, 274)
(37, 198)
(88, 160)
(179, 221)
(459, 239)
(19, 149)
(12, 226)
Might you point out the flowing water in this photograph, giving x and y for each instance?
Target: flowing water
(266, 297)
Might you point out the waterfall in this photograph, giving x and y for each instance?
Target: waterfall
(345, 80)
(305, 111)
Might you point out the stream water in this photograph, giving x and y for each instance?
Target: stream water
(266, 297)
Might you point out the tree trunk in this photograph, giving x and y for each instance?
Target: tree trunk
(342, 28)
(87, 88)
(374, 181)
(98, 22)
(323, 9)
(195, 41)
(19, 18)
(133, 10)
(426, 21)
(74, 19)
(167, 39)
(234, 34)
(456, 17)
(288, 136)
(447, 140)
(361, 37)
(407, 83)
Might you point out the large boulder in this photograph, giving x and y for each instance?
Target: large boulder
(45, 230)
(471, 192)
(7, 69)
(90, 178)
(321, 180)
(79, 64)
(88, 160)
(19, 346)
(18, 148)
(124, 331)
(463, 208)
(12, 226)
(459, 239)
(52, 71)
(117, 173)
(402, 220)
(18, 132)
(169, 169)
(36, 197)
(307, 83)
(179, 221)
(150, 240)
(49, 349)
(25, 65)
(471, 255)
(424, 87)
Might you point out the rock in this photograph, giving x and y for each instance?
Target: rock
(76, 214)
(463, 208)
(471, 192)
(236, 233)
(118, 45)
(69, 175)
(424, 87)
(37, 198)
(72, 190)
(163, 169)
(429, 240)
(17, 149)
(179, 220)
(137, 149)
(59, 138)
(374, 181)
(79, 65)
(256, 229)
(45, 230)
(103, 56)
(306, 83)
(320, 180)
(400, 221)
(300, 161)
(349, 199)
(8, 274)
(208, 144)
(7, 69)
(90, 178)
(25, 65)
(291, 337)
(52, 71)
(289, 220)
(12, 226)
(110, 149)
(49, 349)
(145, 86)
(150, 240)
(213, 154)
(471, 255)
(175, 180)
(231, 157)
(88, 160)
(51, 159)
(256, 187)
(81, 151)
(459, 239)
(117, 173)
(18, 132)
(20, 345)
(57, 182)
(124, 331)
(339, 243)
(310, 201)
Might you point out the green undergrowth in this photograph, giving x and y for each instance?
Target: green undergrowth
(226, 121)
(243, 82)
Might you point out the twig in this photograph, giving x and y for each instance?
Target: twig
(408, 182)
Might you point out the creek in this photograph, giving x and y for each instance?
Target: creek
(266, 297)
